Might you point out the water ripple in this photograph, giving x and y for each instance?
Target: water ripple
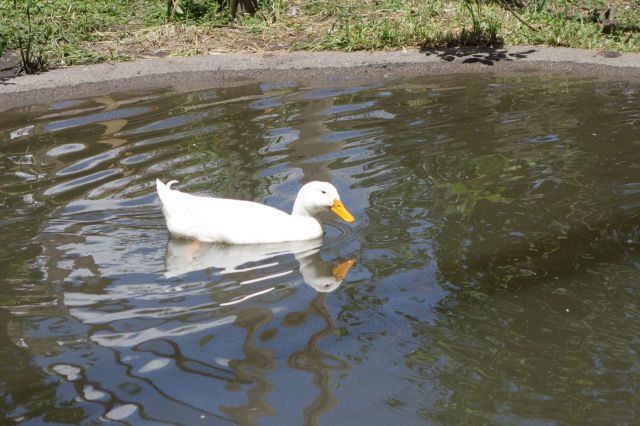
(85, 120)
(495, 249)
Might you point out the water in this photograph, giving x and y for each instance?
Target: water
(492, 274)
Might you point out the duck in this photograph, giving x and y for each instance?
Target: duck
(223, 220)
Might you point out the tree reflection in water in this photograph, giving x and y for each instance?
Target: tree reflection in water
(496, 249)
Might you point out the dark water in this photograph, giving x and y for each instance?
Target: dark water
(495, 273)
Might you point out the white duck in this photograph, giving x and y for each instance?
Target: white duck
(245, 222)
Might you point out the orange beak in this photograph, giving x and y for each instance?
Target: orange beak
(339, 209)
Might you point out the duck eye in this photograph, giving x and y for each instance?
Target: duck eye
(323, 191)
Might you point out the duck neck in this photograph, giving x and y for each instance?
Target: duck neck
(300, 211)
(306, 221)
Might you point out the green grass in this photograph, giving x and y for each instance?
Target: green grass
(432, 23)
(50, 33)
(65, 32)
(561, 26)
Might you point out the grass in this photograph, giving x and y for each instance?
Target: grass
(66, 32)
(52, 33)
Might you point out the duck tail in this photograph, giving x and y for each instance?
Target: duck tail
(163, 190)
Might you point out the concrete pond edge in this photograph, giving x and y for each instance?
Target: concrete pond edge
(310, 68)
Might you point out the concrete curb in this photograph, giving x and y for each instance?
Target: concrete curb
(195, 72)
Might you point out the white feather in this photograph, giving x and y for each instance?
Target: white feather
(245, 222)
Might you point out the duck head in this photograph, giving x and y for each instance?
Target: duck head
(316, 197)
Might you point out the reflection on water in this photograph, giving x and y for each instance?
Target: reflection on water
(491, 275)
(184, 256)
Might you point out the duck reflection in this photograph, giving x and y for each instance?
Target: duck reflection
(184, 256)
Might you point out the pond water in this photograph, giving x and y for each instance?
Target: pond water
(492, 274)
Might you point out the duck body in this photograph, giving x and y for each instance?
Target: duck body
(244, 222)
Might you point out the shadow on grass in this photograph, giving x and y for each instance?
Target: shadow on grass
(8, 66)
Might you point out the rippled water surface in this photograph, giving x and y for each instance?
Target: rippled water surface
(491, 276)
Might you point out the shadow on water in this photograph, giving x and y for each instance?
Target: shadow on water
(516, 263)
(559, 297)
(471, 55)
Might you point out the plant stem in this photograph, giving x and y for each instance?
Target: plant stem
(506, 4)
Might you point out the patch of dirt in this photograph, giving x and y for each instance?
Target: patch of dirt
(182, 39)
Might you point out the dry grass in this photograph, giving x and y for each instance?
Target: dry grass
(377, 24)
(311, 25)
(139, 29)
(248, 34)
